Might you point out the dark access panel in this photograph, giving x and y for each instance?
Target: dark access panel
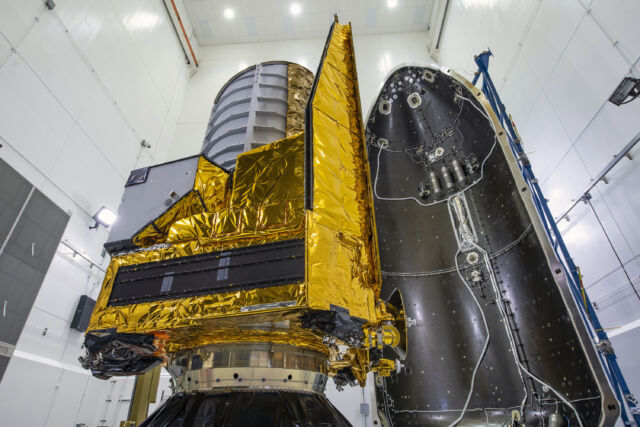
(36, 225)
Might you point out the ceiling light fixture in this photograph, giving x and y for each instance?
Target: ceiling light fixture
(104, 217)
(229, 13)
(295, 9)
(392, 3)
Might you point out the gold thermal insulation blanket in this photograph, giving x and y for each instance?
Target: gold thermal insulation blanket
(342, 255)
(264, 204)
(299, 82)
(266, 200)
(208, 195)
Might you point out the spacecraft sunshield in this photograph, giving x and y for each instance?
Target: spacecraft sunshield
(342, 266)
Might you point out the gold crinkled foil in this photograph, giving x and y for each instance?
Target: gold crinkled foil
(267, 198)
(281, 327)
(299, 82)
(342, 256)
(266, 204)
(208, 194)
(273, 173)
(156, 231)
(211, 183)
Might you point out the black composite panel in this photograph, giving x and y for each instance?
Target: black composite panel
(410, 140)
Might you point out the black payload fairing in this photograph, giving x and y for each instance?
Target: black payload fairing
(494, 336)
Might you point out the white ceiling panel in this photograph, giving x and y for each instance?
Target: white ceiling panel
(270, 20)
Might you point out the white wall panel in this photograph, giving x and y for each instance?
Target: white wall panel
(620, 18)
(18, 17)
(623, 199)
(73, 108)
(581, 234)
(607, 134)
(177, 97)
(184, 141)
(30, 117)
(47, 50)
(146, 22)
(60, 412)
(554, 24)
(5, 50)
(588, 72)
(102, 121)
(473, 26)
(36, 395)
(93, 181)
(35, 340)
(617, 304)
(547, 142)
(566, 182)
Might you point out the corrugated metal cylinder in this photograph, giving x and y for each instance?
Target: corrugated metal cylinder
(257, 106)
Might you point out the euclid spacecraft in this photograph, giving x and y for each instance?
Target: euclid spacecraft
(297, 247)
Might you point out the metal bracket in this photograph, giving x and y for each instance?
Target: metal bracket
(6, 349)
(630, 398)
(605, 347)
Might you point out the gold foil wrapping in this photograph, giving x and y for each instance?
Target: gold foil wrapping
(266, 203)
(342, 258)
(208, 194)
(299, 82)
(211, 184)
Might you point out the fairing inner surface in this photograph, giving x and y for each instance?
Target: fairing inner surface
(423, 121)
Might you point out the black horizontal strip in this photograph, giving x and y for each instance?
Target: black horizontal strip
(216, 272)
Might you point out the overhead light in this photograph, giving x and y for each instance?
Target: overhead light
(229, 13)
(628, 88)
(392, 3)
(104, 217)
(295, 9)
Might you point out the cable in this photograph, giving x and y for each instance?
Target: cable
(509, 335)
(452, 269)
(380, 149)
(484, 349)
(484, 410)
(375, 183)
(613, 249)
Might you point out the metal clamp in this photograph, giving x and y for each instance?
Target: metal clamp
(630, 398)
(604, 347)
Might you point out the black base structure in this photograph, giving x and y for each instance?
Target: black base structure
(461, 245)
(247, 409)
